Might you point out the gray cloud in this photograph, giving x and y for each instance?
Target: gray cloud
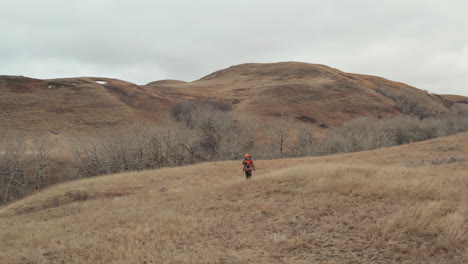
(420, 42)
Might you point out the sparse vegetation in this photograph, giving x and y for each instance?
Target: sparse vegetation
(279, 133)
(436, 162)
(196, 132)
(193, 133)
(202, 132)
(294, 211)
(410, 102)
(13, 179)
(24, 167)
(367, 133)
(459, 110)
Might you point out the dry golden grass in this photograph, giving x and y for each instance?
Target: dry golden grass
(368, 207)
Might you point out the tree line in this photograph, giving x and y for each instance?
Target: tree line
(197, 132)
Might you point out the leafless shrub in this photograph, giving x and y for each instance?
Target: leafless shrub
(41, 147)
(279, 133)
(305, 144)
(13, 178)
(415, 163)
(220, 136)
(134, 149)
(88, 158)
(436, 162)
(409, 102)
(23, 165)
(460, 109)
(178, 145)
(187, 110)
(449, 148)
(448, 160)
(368, 133)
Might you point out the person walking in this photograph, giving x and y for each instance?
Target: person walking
(248, 166)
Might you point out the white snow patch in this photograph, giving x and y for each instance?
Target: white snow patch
(101, 82)
(50, 86)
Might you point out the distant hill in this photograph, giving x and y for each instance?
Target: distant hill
(74, 103)
(313, 94)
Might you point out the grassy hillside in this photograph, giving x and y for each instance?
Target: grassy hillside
(74, 104)
(312, 94)
(404, 204)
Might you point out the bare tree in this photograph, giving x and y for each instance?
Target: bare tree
(41, 147)
(305, 143)
(409, 102)
(279, 132)
(89, 159)
(171, 142)
(13, 168)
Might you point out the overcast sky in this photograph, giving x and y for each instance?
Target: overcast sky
(420, 42)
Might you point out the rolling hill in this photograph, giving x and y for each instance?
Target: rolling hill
(405, 204)
(312, 94)
(73, 104)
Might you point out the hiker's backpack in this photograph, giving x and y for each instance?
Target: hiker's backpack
(248, 164)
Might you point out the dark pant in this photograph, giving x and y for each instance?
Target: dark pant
(248, 174)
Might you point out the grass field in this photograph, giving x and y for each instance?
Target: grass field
(405, 204)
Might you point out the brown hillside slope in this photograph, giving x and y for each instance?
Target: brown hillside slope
(73, 104)
(404, 204)
(313, 94)
(310, 92)
(455, 98)
(459, 102)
